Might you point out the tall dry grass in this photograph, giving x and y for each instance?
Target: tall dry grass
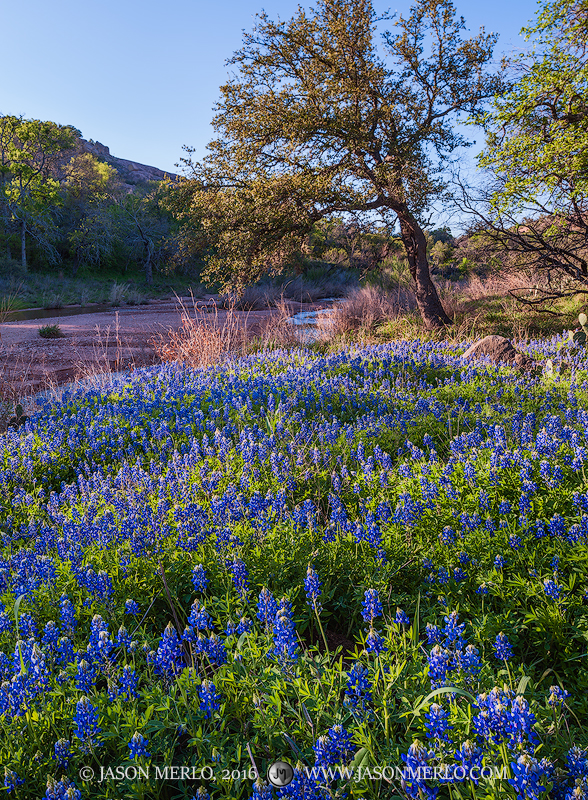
(203, 338)
(365, 308)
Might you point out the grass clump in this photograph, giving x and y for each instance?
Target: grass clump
(50, 332)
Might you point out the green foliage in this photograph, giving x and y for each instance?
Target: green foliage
(315, 124)
(536, 153)
(50, 332)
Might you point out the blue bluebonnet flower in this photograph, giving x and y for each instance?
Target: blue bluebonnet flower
(333, 748)
(447, 535)
(50, 636)
(68, 616)
(169, 659)
(437, 723)
(312, 586)
(131, 607)
(470, 758)
(372, 607)
(527, 776)
(262, 790)
(266, 607)
(433, 633)
(413, 781)
(551, 589)
(284, 633)
(402, 617)
(557, 696)
(375, 643)
(199, 618)
(86, 724)
(62, 752)
(138, 746)
(240, 576)
(499, 561)
(128, 683)
(439, 664)
(62, 790)
(502, 648)
(358, 689)
(11, 780)
(199, 578)
(209, 698)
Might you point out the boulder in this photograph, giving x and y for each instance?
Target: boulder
(498, 348)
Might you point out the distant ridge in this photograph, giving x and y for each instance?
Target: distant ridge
(131, 172)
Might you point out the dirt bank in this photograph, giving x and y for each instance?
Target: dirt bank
(115, 339)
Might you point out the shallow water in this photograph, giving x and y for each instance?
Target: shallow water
(50, 313)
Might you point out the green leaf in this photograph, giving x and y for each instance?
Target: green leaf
(523, 683)
(579, 338)
(582, 319)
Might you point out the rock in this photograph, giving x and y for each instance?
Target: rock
(498, 348)
(495, 347)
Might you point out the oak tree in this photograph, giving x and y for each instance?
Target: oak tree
(316, 121)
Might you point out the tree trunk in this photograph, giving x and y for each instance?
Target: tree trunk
(148, 264)
(415, 244)
(23, 243)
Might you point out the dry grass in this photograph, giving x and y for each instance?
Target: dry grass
(203, 338)
(364, 309)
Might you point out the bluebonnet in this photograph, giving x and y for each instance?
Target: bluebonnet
(502, 648)
(138, 746)
(552, 589)
(499, 561)
(284, 633)
(169, 659)
(437, 724)
(200, 579)
(62, 752)
(358, 688)
(68, 616)
(131, 607)
(413, 782)
(62, 790)
(266, 607)
(333, 748)
(402, 617)
(312, 587)
(240, 576)
(128, 683)
(209, 698)
(470, 757)
(527, 776)
(86, 727)
(557, 696)
(375, 643)
(199, 618)
(11, 780)
(372, 607)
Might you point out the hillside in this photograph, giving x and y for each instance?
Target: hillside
(131, 172)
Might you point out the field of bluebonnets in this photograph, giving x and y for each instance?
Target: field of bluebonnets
(375, 558)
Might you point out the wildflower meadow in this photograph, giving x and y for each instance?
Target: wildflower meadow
(369, 565)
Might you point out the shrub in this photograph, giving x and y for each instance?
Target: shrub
(50, 332)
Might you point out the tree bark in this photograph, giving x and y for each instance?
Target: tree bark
(23, 243)
(148, 263)
(415, 244)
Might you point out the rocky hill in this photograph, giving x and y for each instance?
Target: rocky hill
(131, 172)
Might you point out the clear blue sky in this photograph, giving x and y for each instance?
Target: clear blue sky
(142, 76)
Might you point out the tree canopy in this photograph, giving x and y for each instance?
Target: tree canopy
(536, 158)
(316, 122)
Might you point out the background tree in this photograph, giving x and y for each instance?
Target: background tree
(32, 155)
(534, 206)
(315, 123)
